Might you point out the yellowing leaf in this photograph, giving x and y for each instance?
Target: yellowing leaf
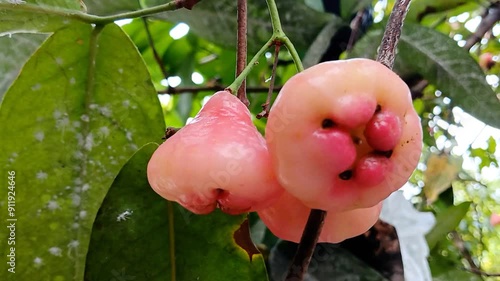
(441, 171)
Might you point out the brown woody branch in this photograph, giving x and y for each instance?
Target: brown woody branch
(491, 17)
(387, 50)
(306, 246)
(241, 50)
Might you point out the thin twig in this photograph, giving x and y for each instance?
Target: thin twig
(355, 27)
(241, 51)
(267, 105)
(156, 55)
(489, 20)
(482, 273)
(387, 49)
(253, 62)
(306, 246)
(464, 252)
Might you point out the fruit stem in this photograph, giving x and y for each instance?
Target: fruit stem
(241, 51)
(278, 36)
(387, 49)
(306, 246)
(233, 88)
(267, 105)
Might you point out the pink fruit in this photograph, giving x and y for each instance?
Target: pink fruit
(219, 160)
(344, 135)
(495, 219)
(486, 61)
(383, 131)
(287, 217)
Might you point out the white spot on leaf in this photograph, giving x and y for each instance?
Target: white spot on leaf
(57, 114)
(85, 187)
(37, 261)
(89, 142)
(124, 216)
(41, 175)
(40, 136)
(104, 131)
(36, 87)
(83, 214)
(128, 135)
(105, 111)
(75, 199)
(56, 251)
(53, 205)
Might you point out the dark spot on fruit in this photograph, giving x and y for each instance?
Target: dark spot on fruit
(346, 175)
(386, 154)
(327, 123)
(357, 140)
(378, 108)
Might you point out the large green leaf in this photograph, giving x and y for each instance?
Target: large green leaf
(80, 108)
(441, 61)
(137, 234)
(16, 50)
(446, 222)
(216, 21)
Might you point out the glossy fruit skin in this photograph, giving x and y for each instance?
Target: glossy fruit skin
(219, 160)
(287, 217)
(317, 135)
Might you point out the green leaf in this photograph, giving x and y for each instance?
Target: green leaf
(445, 269)
(446, 222)
(492, 145)
(80, 108)
(137, 234)
(31, 16)
(16, 21)
(16, 50)
(442, 62)
(487, 155)
(420, 8)
(216, 21)
(179, 54)
(321, 43)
